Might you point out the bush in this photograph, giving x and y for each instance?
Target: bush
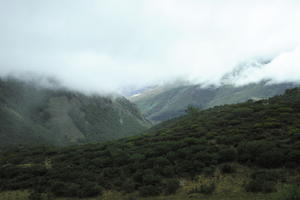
(208, 171)
(151, 179)
(263, 181)
(290, 193)
(149, 190)
(260, 186)
(249, 151)
(227, 155)
(271, 159)
(227, 168)
(294, 156)
(128, 186)
(90, 189)
(171, 186)
(268, 175)
(86, 189)
(35, 196)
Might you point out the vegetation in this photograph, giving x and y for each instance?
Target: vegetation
(204, 147)
(33, 115)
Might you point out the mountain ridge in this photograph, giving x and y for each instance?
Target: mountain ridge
(163, 103)
(59, 116)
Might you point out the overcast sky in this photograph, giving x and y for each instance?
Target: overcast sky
(109, 45)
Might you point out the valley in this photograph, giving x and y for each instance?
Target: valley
(241, 151)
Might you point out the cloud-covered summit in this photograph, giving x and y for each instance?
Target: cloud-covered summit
(108, 45)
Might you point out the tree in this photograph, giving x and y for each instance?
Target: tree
(192, 110)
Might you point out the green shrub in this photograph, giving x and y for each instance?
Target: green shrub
(35, 196)
(260, 186)
(249, 151)
(149, 190)
(271, 159)
(128, 186)
(294, 156)
(263, 181)
(90, 189)
(290, 193)
(267, 175)
(227, 168)
(171, 186)
(227, 155)
(208, 171)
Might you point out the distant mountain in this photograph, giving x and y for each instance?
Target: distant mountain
(165, 102)
(33, 115)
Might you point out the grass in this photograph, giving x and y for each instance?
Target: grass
(14, 195)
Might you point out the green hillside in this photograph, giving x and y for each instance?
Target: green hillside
(244, 151)
(163, 103)
(33, 115)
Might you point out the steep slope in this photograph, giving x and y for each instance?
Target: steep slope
(253, 145)
(33, 115)
(163, 103)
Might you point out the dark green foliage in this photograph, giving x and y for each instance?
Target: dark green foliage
(171, 186)
(208, 171)
(260, 186)
(149, 190)
(268, 175)
(180, 148)
(290, 193)
(249, 151)
(227, 168)
(128, 186)
(271, 159)
(263, 181)
(227, 155)
(294, 156)
(35, 196)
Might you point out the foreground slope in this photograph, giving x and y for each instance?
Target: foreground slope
(166, 102)
(237, 151)
(33, 115)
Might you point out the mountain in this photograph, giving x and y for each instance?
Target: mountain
(30, 114)
(244, 151)
(166, 102)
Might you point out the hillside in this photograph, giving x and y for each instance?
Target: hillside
(244, 151)
(166, 102)
(33, 115)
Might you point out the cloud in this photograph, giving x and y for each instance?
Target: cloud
(110, 45)
(284, 68)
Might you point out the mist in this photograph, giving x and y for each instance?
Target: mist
(110, 46)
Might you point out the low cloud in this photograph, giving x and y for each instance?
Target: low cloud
(111, 45)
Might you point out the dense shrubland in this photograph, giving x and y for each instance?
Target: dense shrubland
(262, 135)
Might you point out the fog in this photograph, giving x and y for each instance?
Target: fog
(114, 45)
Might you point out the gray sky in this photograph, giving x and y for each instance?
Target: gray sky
(106, 45)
